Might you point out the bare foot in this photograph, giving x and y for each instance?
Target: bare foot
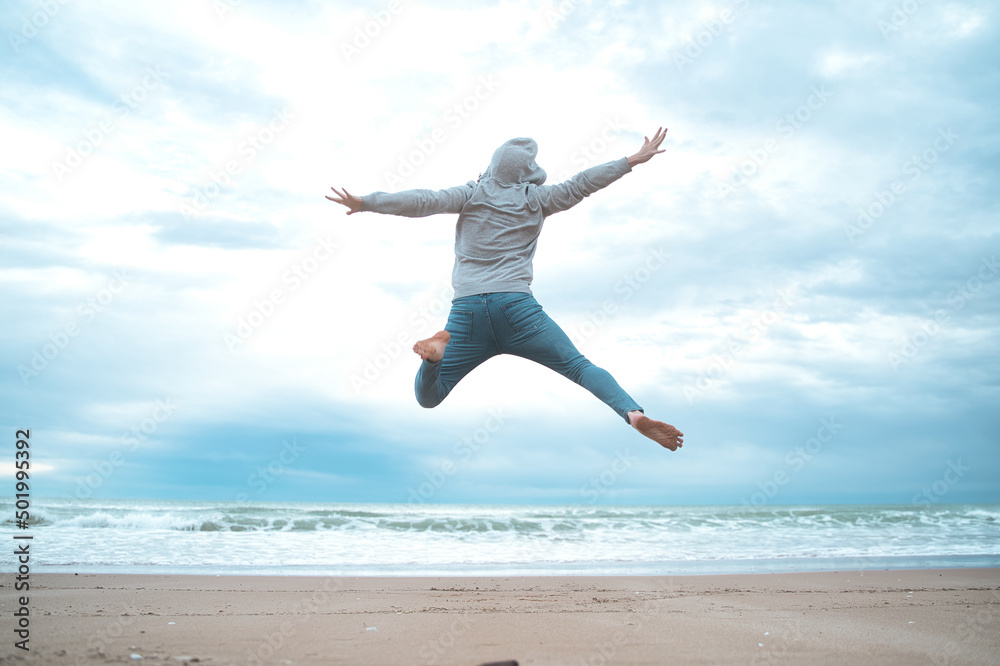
(432, 349)
(662, 433)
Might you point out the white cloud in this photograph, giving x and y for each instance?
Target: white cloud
(840, 63)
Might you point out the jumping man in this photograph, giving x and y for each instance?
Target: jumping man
(493, 312)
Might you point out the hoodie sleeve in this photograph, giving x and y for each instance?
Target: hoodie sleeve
(419, 203)
(557, 198)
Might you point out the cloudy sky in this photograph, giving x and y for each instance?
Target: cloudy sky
(805, 282)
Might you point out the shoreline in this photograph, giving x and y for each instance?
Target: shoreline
(864, 616)
(532, 570)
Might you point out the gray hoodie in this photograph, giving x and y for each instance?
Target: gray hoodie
(499, 217)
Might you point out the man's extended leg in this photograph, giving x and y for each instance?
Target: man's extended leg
(662, 433)
(532, 334)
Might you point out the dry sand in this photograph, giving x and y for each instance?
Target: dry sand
(947, 616)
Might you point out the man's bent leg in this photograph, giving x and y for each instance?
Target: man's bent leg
(466, 347)
(427, 385)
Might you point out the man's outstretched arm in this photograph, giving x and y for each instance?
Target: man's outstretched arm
(408, 203)
(557, 198)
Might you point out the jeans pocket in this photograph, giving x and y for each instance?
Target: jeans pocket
(459, 325)
(524, 314)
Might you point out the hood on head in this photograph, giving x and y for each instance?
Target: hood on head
(514, 162)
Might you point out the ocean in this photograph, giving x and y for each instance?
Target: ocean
(325, 539)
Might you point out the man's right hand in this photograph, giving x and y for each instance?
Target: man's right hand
(344, 197)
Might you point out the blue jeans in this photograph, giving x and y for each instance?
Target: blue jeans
(485, 325)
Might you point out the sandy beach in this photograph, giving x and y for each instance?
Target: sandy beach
(949, 616)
